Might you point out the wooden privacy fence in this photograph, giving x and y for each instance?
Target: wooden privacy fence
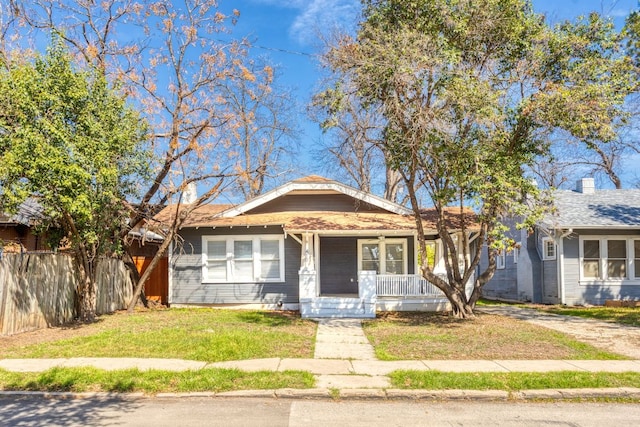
(38, 290)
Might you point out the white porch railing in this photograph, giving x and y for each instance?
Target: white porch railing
(404, 285)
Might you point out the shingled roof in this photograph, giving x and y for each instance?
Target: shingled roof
(398, 219)
(599, 209)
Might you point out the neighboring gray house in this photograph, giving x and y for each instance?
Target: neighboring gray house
(586, 252)
(312, 244)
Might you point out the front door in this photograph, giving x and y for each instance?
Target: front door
(338, 266)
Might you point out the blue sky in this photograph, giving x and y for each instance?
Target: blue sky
(287, 32)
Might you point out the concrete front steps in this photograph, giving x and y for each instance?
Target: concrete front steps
(337, 307)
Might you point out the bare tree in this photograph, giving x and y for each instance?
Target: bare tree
(262, 126)
(176, 60)
(355, 136)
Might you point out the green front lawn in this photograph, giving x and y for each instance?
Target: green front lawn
(195, 334)
(132, 380)
(511, 381)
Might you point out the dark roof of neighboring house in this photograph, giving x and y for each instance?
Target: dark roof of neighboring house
(600, 209)
(28, 213)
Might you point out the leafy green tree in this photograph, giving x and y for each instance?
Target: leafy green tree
(72, 142)
(466, 89)
(591, 56)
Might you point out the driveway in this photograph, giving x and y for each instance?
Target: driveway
(614, 337)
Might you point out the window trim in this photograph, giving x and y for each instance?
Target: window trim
(545, 254)
(256, 257)
(382, 243)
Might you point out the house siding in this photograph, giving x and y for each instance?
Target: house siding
(536, 268)
(594, 293)
(318, 202)
(550, 282)
(504, 283)
(187, 273)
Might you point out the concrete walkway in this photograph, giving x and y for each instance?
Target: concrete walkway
(345, 360)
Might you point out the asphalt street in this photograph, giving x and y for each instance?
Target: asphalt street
(231, 412)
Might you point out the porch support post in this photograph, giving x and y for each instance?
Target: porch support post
(307, 261)
(308, 284)
(367, 291)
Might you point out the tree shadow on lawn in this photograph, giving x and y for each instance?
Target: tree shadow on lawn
(422, 318)
(270, 318)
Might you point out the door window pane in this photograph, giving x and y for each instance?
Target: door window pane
(394, 258)
(370, 257)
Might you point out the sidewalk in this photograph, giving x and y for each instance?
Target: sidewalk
(345, 360)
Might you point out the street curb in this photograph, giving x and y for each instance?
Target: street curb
(358, 394)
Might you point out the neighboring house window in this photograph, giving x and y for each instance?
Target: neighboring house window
(231, 259)
(609, 258)
(383, 256)
(548, 249)
(636, 259)
(501, 260)
(616, 259)
(591, 259)
(516, 253)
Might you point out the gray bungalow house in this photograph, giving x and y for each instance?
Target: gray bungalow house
(313, 245)
(586, 252)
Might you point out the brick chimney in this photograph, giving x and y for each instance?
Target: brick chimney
(586, 186)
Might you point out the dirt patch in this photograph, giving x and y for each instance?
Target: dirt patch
(54, 333)
(609, 336)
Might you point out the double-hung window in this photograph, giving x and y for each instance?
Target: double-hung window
(616, 259)
(604, 258)
(243, 259)
(591, 259)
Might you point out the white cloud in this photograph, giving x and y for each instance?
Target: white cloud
(318, 16)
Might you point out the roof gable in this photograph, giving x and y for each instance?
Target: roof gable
(315, 185)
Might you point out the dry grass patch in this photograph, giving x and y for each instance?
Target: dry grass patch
(416, 336)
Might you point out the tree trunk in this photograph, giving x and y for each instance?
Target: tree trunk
(135, 275)
(86, 292)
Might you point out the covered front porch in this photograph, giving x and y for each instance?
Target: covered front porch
(355, 276)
